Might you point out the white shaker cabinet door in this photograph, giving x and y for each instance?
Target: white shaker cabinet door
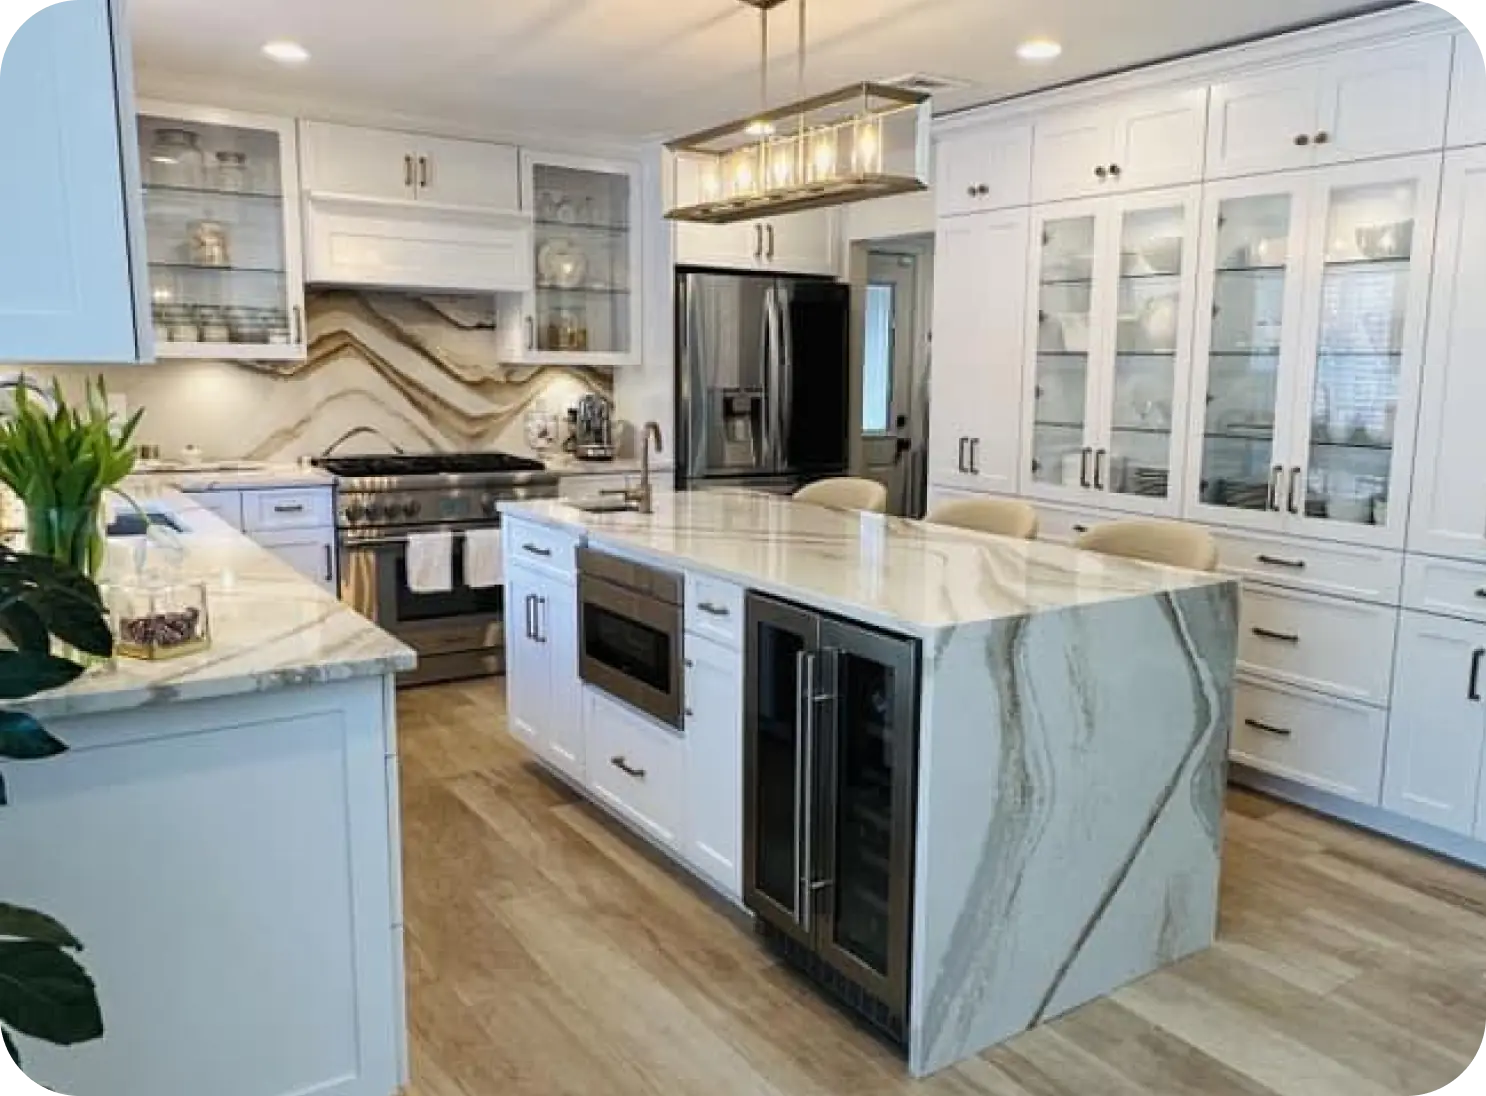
(1071, 155)
(528, 673)
(354, 160)
(557, 631)
(802, 243)
(311, 552)
(714, 762)
(1438, 722)
(1467, 95)
(1159, 142)
(1263, 123)
(1448, 515)
(468, 174)
(1384, 101)
(982, 169)
(66, 281)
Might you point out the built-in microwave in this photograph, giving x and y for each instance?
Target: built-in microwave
(630, 631)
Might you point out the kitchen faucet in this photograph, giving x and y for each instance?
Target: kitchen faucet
(645, 494)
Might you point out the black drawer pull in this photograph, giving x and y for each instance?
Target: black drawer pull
(712, 609)
(1268, 728)
(1474, 690)
(1481, 592)
(1279, 637)
(1080, 529)
(289, 508)
(1280, 561)
(628, 770)
(534, 550)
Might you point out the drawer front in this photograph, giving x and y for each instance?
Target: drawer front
(1327, 744)
(1343, 648)
(635, 767)
(293, 508)
(714, 609)
(546, 549)
(1445, 586)
(1368, 574)
(227, 505)
(1066, 526)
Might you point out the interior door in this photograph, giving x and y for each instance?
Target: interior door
(888, 344)
(860, 892)
(778, 767)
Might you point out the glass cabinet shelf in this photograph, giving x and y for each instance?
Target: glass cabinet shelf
(213, 192)
(581, 226)
(212, 268)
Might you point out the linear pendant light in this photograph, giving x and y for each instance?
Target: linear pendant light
(861, 141)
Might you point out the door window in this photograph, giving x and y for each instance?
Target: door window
(877, 359)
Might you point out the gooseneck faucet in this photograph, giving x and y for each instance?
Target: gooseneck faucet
(645, 496)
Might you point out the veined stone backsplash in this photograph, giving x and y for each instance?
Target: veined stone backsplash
(423, 371)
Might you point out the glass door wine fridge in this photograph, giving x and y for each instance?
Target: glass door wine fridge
(830, 750)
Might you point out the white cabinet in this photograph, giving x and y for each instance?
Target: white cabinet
(227, 505)
(379, 163)
(311, 552)
(1309, 343)
(637, 768)
(1438, 724)
(1448, 515)
(796, 243)
(297, 524)
(802, 243)
(542, 687)
(1130, 145)
(981, 169)
(1378, 101)
(1334, 745)
(1467, 124)
(1108, 349)
(467, 174)
(979, 302)
(67, 284)
(714, 762)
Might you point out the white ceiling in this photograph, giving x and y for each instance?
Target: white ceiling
(634, 69)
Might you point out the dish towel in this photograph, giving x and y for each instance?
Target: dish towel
(484, 565)
(431, 563)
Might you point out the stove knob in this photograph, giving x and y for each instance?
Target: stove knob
(373, 511)
(355, 512)
(410, 509)
(490, 504)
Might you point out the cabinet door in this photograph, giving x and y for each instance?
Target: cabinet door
(1071, 155)
(1384, 101)
(738, 246)
(1264, 123)
(714, 762)
(351, 160)
(221, 199)
(311, 552)
(528, 674)
(1371, 233)
(1159, 142)
(66, 283)
(980, 169)
(1247, 349)
(1448, 509)
(979, 309)
(802, 243)
(1467, 124)
(469, 174)
(1436, 727)
(557, 633)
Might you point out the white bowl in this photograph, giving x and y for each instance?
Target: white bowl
(1075, 327)
(1162, 255)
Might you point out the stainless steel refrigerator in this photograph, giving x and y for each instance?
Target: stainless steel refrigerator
(762, 382)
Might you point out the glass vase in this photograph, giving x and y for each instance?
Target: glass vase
(70, 535)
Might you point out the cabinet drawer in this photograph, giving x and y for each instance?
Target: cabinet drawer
(546, 549)
(294, 508)
(1066, 526)
(1343, 648)
(714, 609)
(1368, 574)
(227, 505)
(1445, 586)
(635, 766)
(1328, 744)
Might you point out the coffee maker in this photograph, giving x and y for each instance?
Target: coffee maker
(592, 420)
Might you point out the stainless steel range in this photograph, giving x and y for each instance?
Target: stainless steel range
(381, 500)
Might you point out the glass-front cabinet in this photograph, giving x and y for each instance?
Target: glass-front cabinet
(221, 205)
(1309, 339)
(1111, 349)
(585, 305)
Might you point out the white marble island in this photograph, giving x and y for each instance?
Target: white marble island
(1072, 722)
(222, 836)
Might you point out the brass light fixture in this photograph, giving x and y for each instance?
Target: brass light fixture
(862, 141)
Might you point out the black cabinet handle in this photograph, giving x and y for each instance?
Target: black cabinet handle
(1268, 728)
(1080, 529)
(531, 334)
(289, 508)
(423, 173)
(1100, 172)
(626, 768)
(971, 191)
(1322, 137)
(982, 190)
(536, 551)
(770, 230)
(1278, 637)
(1083, 467)
(975, 456)
(329, 564)
(1280, 561)
(1114, 170)
(712, 609)
(407, 170)
(1302, 139)
(1481, 592)
(963, 442)
(1473, 692)
(1274, 486)
(1099, 456)
(531, 615)
(1290, 503)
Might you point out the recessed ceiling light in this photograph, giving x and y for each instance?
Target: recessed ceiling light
(287, 53)
(1039, 49)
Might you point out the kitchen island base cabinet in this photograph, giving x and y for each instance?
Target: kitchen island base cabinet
(542, 689)
(231, 868)
(714, 759)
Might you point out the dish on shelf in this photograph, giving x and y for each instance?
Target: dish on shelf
(1066, 332)
(562, 264)
(1386, 241)
(1162, 255)
(1268, 252)
(1158, 319)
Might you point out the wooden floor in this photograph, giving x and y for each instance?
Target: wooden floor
(549, 953)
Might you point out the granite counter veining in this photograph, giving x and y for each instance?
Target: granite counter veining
(260, 477)
(271, 627)
(891, 572)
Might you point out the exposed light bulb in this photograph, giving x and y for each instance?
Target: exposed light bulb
(1039, 49)
(866, 156)
(782, 164)
(760, 129)
(711, 185)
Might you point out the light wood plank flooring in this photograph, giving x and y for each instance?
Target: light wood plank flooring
(550, 953)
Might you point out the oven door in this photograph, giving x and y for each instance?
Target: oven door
(629, 645)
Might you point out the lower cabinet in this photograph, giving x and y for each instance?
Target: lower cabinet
(636, 767)
(542, 688)
(297, 524)
(311, 552)
(714, 762)
(1438, 724)
(1329, 744)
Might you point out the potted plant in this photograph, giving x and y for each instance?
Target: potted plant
(44, 991)
(59, 462)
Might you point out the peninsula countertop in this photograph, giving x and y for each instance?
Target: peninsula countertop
(271, 627)
(894, 573)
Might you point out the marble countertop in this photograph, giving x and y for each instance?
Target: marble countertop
(234, 476)
(271, 627)
(566, 465)
(891, 572)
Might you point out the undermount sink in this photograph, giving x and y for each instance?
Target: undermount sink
(605, 505)
(131, 523)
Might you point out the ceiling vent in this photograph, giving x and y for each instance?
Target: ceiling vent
(927, 83)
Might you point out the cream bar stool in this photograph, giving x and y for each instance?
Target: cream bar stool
(845, 493)
(1003, 517)
(1168, 542)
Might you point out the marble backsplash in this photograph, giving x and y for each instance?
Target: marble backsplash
(422, 371)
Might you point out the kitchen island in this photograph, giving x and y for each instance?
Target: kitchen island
(222, 836)
(1047, 729)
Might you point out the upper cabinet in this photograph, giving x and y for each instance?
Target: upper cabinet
(1378, 101)
(221, 202)
(403, 210)
(980, 169)
(67, 280)
(1310, 332)
(585, 304)
(796, 243)
(1467, 95)
(1133, 144)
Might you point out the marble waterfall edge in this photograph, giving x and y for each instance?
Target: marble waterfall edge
(1070, 799)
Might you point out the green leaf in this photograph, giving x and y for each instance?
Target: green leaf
(23, 626)
(15, 1055)
(45, 993)
(24, 924)
(25, 673)
(22, 738)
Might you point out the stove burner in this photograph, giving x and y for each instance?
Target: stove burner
(427, 464)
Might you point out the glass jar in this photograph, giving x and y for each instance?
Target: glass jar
(232, 171)
(176, 159)
(208, 244)
(159, 619)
